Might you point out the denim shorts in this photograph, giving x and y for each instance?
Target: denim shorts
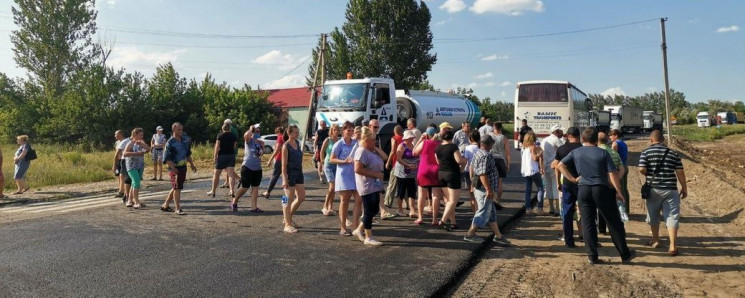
(667, 201)
(330, 171)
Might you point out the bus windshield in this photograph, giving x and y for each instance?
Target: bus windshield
(344, 96)
(542, 93)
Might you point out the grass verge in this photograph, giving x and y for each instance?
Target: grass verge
(701, 134)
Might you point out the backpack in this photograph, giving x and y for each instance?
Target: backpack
(31, 154)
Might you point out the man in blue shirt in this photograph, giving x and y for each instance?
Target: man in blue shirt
(595, 168)
(176, 155)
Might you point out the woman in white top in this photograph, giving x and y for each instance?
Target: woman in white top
(158, 144)
(532, 158)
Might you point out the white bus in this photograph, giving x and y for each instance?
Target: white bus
(547, 103)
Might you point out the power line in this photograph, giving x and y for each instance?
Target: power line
(216, 47)
(551, 54)
(199, 35)
(291, 71)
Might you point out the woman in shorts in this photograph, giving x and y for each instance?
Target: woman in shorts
(329, 169)
(344, 183)
(134, 156)
(405, 171)
(158, 144)
(224, 158)
(251, 173)
(292, 177)
(450, 166)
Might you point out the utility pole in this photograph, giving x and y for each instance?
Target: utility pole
(667, 82)
(320, 67)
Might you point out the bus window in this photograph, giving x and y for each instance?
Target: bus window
(543, 93)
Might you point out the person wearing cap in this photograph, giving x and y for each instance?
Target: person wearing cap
(158, 144)
(550, 144)
(568, 188)
(405, 170)
(485, 175)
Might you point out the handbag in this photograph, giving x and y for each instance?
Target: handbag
(31, 154)
(646, 187)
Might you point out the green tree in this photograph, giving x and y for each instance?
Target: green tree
(382, 38)
(53, 39)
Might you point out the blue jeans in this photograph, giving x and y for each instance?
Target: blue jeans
(486, 213)
(529, 181)
(568, 205)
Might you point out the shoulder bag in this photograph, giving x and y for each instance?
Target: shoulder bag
(646, 188)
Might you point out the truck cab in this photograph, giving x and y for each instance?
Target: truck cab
(703, 119)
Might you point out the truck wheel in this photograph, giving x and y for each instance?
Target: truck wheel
(404, 111)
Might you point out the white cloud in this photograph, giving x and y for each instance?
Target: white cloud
(613, 92)
(504, 94)
(285, 82)
(453, 6)
(472, 85)
(495, 57)
(485, 76)
(505, 84)
(133, 57)
(733, 28)
(508, 7)
(440, 23)
(282, 61)
(489, 84)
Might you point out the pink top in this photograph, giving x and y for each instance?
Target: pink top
(427, 171)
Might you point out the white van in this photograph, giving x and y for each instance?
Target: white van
(703, 119)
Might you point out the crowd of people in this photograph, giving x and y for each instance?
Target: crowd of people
(581, 174)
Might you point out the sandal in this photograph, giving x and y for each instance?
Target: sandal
(257, 210)
(673, 253)
(387, 215)
(653, 244)
(345, 233)
(165, 209)
(290, 230)
(418, 222)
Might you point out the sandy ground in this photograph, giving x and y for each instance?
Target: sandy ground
(711, 243)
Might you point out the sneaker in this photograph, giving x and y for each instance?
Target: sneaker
(234, 207)
(373, 242)
(632, 255)
(560, 237)
(474, 238)
(180, 212)
(359, 235)
(501, 242)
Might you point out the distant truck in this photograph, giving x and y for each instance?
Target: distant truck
(625, 118)
(727, 117)
(652, 121)
(601, 120)
(356, 100)
(703, 119)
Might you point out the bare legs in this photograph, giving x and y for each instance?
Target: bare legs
(328, 204)
(452, 196)
(292, 192)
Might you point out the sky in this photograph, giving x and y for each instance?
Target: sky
(606, 47)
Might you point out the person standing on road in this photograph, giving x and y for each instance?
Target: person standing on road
(329, 169)
(450, 166)
(224, 159)
(523, 130)
(411, 126)
(374, 126)
(569, 190)
(251, 172)
(603, 144)
(549, 145)
(461, 137)
(390, 191)
(176, 155)
(487, 128)
(277, 159)
(469, 153)
(134, 156)
(293, 181)
(368, 169)
(595, 168)
(485, 175)
(620, 146)
(501, 152)
(21, 164)
(119, 167)
(236, 134)
(663, 170)
(405, 171)
(532, 169)
(344, 183)
(427, 175)
(158, 143)
(321, 134)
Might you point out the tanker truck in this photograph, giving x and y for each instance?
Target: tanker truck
(356, 100)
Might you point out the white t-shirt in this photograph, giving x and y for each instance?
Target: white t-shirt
(550, 145)
(469, 152)
(486, 129)
(121, 145)
(417, 134)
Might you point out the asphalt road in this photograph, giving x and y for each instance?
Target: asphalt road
(95, 246)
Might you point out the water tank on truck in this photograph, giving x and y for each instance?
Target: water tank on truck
(435, 107)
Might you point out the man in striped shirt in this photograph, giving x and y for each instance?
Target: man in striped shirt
(663, 176)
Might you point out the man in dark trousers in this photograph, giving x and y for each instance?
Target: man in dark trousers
(595, 168)
(567, 188)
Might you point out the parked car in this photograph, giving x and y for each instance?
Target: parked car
(270, 143)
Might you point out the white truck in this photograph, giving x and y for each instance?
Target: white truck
(652, 121)
(355, 100)
(600, 120)
(703, 119)
(625, 118)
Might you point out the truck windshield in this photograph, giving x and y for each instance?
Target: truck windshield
(344, 96)
(614, 117)
(703, 117)
(648, 117)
